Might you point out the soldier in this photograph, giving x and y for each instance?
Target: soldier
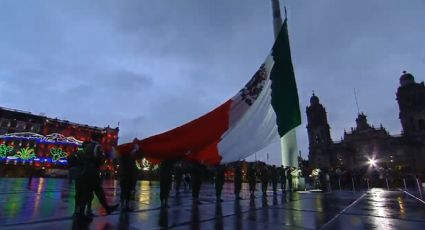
(264, 179)
(76, 165)
(282, 178)
(289, 177)
(238, 181)
(165, 181)
(274, 178)
(219, 181)
(91, 170)
(178, 176)
(196, 177)
(252, 180)
(127, 175)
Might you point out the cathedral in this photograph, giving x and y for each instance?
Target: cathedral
(365, 144)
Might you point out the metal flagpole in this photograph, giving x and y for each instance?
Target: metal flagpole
(288, 143)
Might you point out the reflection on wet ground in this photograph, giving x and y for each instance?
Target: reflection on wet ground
(49, 203)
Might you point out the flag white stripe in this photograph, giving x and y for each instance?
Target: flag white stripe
(255, 129)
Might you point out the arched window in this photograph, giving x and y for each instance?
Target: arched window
(317, 139)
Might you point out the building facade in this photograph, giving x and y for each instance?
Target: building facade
(36, 140)
(366, 144)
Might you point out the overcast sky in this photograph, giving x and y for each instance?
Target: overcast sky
(154, 65)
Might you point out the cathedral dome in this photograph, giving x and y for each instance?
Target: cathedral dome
(314, 99)
(406, 79)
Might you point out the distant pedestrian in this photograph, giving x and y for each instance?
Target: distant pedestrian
(237, 180)
(252, 179)
(30, 176)
(219, 181)
(187, 181)
(165, 181)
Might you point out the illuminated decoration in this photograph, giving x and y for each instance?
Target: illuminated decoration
(26, 153)
(138, 165)
(58, 153)
(5, 150)
(51, 138)
(145, 164)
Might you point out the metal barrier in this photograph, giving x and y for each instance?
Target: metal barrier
(410, 183)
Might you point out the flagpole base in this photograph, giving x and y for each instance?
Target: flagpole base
(289, 149)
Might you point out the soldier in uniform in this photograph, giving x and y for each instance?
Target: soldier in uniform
(165, 181)
(93, 157)
(274, 177)
(289, 177)
(252, 180)
(282, 176)
(238, 180)
(219, 181)
(178, 176)
(264, 173)
(196, 177)
(127, 175)
(75, 164)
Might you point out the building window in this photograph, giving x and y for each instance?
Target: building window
(317, 139)
(5, 123)
(20, 126)
(28, 127)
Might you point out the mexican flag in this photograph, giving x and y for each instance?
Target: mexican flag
(261, 112)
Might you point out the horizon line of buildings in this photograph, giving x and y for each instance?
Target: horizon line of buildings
(402, 152)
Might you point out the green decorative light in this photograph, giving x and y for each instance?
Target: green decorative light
(4, 150)
(58, 153)
(25, 153)
(138, 166)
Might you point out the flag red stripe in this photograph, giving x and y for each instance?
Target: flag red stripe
(196, 140)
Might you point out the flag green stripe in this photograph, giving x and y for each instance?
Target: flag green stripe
(285, 100)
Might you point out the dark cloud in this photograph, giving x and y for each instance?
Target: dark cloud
(153, 65)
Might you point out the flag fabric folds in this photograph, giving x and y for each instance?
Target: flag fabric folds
(261, 112)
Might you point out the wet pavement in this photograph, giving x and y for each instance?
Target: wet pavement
(49, 203)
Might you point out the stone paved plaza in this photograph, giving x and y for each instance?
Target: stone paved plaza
(48, 204)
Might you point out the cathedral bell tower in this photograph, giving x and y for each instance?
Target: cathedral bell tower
(411, 101)
(319, 136)
(318, 128)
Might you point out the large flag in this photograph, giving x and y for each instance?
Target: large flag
(264, 110)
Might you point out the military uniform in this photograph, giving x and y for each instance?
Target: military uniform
(238, 181)
(264, 179)
(219, 181)
(282, 177)
(252, 179)
(274, 178)
(127, 177)
(165, 180)
(196, 177)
